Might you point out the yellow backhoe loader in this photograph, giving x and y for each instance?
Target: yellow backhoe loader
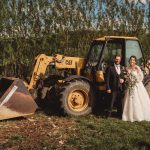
(80, 82)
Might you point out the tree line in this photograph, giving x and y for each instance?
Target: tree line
(31, 27)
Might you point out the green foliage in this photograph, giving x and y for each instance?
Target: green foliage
(28, 28)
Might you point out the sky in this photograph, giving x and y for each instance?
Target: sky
(142, 1)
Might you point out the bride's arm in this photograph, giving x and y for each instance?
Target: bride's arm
(140, 73)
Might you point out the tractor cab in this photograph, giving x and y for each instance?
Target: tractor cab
(103, 51)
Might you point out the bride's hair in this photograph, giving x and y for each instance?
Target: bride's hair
(133, 57)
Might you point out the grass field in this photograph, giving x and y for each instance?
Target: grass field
(42, 132)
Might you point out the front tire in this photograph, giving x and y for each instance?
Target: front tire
(77, 98)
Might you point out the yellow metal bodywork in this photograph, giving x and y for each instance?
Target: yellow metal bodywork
(59, 61)
(100, 79)
(100, 76)
(115, 37)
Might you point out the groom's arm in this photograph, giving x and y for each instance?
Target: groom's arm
(122, 75)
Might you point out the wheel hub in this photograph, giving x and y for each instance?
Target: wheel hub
(78, 100)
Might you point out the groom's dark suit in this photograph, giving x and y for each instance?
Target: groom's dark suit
(113, 84)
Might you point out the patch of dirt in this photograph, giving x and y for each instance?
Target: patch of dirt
(36, 132)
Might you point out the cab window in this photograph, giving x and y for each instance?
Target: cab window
(95, 54)
(133, 48)
(112, 49)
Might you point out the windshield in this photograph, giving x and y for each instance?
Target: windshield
(95, 53)
(112, 49)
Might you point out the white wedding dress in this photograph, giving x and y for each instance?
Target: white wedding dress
(136, 107)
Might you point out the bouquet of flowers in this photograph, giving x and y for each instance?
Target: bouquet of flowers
(130, 82)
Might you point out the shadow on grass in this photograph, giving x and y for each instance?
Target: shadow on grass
(50, 108)
(50, 105)
(143, 145)
(13, 119)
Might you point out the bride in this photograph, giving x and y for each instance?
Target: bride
(136, 105)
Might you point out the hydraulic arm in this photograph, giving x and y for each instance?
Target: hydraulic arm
(58, 61)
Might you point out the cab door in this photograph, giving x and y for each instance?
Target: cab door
(101, 55)
(93, 60)
(112, 48)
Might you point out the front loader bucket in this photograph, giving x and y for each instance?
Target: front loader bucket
(15, 99)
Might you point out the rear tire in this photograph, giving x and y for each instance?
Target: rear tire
(147, 84)
(77, 98)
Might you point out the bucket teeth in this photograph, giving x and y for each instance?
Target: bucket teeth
(15, 99)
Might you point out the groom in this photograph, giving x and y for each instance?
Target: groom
(114, 86)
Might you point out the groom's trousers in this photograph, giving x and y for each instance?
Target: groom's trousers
(115, 97)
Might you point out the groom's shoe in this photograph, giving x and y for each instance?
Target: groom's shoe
(119, 114)
(108, 115)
